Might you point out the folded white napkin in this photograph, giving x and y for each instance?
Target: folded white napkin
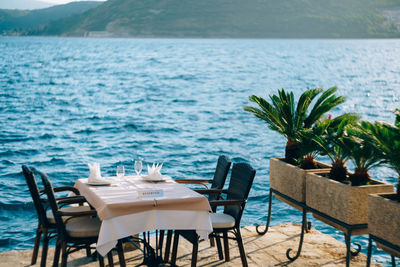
(95, 173)
(154, 172)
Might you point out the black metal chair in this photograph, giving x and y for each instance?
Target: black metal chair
(74, 234)
(46, 222)
(217, 183)
(242, 177)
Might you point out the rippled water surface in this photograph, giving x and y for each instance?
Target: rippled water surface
(65, 102)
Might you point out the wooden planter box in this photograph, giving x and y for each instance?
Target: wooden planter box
(291, 180)
(384, 219)
(343, 202)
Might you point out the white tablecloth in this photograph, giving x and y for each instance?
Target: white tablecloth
(114, 228)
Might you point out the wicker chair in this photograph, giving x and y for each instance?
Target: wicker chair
(242, 177)
(218, 182)
(74, 234)
(46, 221)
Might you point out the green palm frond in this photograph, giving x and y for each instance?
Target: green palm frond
(385, 139)
(328, 134)
(285, 117)
(326, 102)
(304, 103)
(362, 148)
(397, 120)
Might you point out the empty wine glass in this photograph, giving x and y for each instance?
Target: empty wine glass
(138, 166)
(120, 171)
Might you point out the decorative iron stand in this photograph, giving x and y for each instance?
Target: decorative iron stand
(383, 242)
(305, 226)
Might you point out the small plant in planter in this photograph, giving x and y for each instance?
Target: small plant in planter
(361, 153)
(336, 197)
(282, 116)
(384, 209)
(328, 138)
(385, 138)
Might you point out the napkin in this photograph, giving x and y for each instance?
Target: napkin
(95, 173)
(154, 172)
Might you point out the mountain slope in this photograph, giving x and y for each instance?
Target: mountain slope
(21, 20)
(232, 18)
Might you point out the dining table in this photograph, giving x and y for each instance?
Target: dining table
(131, 205)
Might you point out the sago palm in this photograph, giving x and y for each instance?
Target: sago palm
(385, 138)
(362, 152)
(326, 138)
(285, 117)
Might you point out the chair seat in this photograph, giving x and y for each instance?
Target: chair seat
(85, 227)
(222, 220)
(50, 215)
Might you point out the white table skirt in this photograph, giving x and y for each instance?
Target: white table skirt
(123, 226)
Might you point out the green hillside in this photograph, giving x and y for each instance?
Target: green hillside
(233, 18)
(24, 20)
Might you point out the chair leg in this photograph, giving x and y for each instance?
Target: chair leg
(64, 256)
(110, 259)
(45, 247)
(212, 241)
(194, 254)
(161, 238)
(175, 249)
(241, 248)
(168, 245)
(101, 260)
(121, 256)
(219, 247)
(57, 253)
(37, 244)
(88, 253)
(226, 246)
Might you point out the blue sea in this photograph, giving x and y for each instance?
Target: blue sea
(66, 102)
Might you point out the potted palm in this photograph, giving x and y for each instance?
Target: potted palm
(327, 138)
(285, 117)
(345, 198)
(384, 209)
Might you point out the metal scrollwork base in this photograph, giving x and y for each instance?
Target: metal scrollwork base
(306, 226)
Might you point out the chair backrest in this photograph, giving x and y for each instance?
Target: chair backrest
(242, 177)
(221, 172)
(35, 193)
(48, 188)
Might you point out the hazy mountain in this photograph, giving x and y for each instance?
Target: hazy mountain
(23, 4)
(20, 21)
(231, 18)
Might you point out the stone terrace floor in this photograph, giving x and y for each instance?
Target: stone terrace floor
(268, 250)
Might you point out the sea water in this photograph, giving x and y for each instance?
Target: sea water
(66, 102)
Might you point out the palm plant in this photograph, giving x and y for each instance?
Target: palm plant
(326, 138)
(362, 152)
(282, 116)
(385, 138)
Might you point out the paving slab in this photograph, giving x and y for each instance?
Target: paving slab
(268, 250)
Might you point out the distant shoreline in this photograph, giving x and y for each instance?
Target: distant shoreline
(206, 38)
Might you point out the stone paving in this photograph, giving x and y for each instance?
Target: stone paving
(268, 250)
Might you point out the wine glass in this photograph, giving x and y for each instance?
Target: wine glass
(120, 171)
(138, 166)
